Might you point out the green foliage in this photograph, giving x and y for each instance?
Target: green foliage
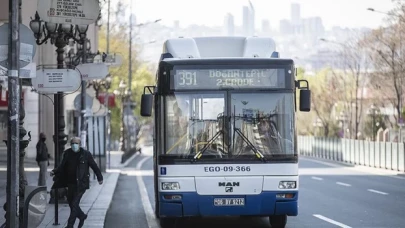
(326, 92)
(141, 76)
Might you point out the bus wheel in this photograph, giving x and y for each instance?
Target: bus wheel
(278, 221)
(167, 222)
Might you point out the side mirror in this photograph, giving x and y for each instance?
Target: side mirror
(305, 100)
(146, 104)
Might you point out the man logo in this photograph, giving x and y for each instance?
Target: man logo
(228, 184)
(229, 189)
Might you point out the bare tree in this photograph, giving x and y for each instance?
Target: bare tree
(386, 51)
(355, 63)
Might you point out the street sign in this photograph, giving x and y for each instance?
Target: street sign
(113, 60)
(28, 45)
(29, 71)
(78, 99)
(56, 80)
(92, 71)
(77, 12)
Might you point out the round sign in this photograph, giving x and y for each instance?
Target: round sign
(28, 45)
(78, 101)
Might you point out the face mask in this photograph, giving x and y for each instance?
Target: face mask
(43, 139)
(75, 147)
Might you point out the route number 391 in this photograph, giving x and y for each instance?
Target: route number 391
(188, 78)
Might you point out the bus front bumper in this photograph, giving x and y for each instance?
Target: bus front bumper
(191, 204)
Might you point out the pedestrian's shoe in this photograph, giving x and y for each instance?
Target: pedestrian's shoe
(81, 221)
(69, 226)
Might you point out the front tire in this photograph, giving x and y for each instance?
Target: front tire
(278, 221)
(167, 222)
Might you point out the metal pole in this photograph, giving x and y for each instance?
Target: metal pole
(56, 141)
(83, 130)
(106, 101)
(59, 125)
(108, 27)
(130, 51)
(107, 128)
(13, 147)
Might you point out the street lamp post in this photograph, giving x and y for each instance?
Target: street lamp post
(59, 35)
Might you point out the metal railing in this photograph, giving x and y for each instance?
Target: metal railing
(385, 155)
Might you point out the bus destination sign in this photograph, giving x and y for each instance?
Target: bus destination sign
(228, 78)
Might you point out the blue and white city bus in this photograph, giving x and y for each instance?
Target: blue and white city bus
(225, 140)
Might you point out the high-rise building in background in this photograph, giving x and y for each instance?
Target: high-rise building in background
(296, 18)
(313, 26)
(266, 26)
(248, 20)
(285, 27)
(295, 14)
(229, 25)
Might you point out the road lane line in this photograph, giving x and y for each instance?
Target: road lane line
(150, 214)
(378, 192)
(343, 184)
(331, 221)
(317, 178)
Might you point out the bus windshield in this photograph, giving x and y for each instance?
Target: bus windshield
(229, 125)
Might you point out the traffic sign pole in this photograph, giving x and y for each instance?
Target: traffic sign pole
(13, 133)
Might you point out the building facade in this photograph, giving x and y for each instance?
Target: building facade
(39, 109)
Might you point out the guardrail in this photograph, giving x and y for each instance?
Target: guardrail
(385, 155)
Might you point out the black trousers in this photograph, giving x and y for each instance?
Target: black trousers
(74, 196)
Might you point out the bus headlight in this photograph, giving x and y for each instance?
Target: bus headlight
(170, 186)
(287, 185)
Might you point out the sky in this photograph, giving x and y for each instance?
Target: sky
(344, 13)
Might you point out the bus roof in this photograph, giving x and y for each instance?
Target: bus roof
(219, 47)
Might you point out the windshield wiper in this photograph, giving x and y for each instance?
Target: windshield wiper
(247, 141)
(200, 153)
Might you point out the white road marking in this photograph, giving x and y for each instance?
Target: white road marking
(317, 178)
(138, 172)
(150, 214)
(343, 184)
(378, 192)
(331, 221)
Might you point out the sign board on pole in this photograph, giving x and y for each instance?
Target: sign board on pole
(28, 45)
(113, 60)
(56, 80)
(29, 71)
(92, 71)
(78, 12)
(78, 102)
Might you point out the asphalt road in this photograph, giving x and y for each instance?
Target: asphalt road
(331, 195)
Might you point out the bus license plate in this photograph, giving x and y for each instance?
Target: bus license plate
(229, 201)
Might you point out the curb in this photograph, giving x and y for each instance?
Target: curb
(129, 160)
(106, 190)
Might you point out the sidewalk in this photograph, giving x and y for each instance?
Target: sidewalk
(95, 201)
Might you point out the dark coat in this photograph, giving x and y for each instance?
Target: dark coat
(42, 151)
(83, 174)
